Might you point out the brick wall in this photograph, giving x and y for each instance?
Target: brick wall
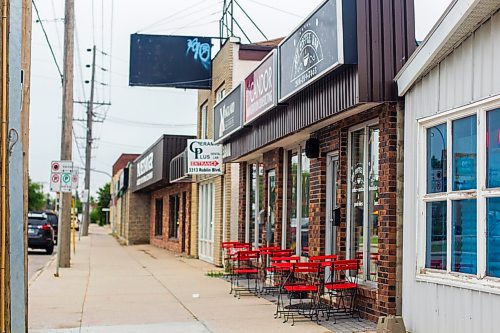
(164, 241)
(381, 300)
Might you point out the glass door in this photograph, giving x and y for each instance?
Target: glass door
(206, 218)
(332, 211)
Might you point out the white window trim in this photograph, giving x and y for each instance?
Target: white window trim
(257, 198)
(480, 281)
(204, 120)
(369, 123)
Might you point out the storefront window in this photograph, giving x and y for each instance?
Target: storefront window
(493, 237)
(436, 235)
(475, 170)
(373, 204)
(292, 235)
(464, 153)
(159, 217)
(253, 191)
(464, 237)
(436, 159)
(257, 218)
(357, 195)
(304, 221)
(493, 148)
(364, 203)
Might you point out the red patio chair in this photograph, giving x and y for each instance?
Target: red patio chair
(302, 288)
(342, 289)
(246, 267)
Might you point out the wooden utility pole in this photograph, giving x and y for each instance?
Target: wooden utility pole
(88, 149)
(67, 129)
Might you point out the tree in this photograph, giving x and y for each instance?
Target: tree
(103, 200)
(36, 197)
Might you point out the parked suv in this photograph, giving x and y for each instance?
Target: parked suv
(40, 232)
(53, 220)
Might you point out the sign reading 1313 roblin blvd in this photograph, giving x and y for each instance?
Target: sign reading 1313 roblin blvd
(204, 157)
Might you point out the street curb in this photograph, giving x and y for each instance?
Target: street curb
(40, 271)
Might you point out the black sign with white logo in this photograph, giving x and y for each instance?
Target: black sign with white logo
(170, 61)
(314, 49)
(228, 115)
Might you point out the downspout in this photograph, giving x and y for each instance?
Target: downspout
(3, 166)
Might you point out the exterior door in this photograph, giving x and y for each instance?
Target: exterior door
(271, 206)
(332, 211)
(206, 222)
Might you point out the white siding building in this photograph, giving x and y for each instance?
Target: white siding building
(451, 251)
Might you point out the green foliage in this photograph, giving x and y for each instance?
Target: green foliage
(94, 215)
(103, 200)
(36, 197)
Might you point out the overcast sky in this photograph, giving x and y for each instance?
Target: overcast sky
(138, 116)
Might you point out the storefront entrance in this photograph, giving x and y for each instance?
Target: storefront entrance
(332, 209)
(206, 222)
(271, 207)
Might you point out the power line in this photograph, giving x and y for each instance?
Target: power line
(194, 21)
(276, 9)
(171, 16)
(47, 39)
(131, 122)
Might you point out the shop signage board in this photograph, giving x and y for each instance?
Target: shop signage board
(61, 175)
(145, 168)
(170, 61)
(228, 115)
(261, 89)
(315, 48)
(204, 157)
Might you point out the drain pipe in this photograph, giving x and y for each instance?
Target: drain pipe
(3, 166)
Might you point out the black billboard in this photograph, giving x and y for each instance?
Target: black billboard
(170, 61)
(228, 115)
(318, 46)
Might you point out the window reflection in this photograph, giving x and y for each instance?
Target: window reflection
(436, 159)
(253, 187)
(464, 237)
(292, 234)
(436, 235)
(357, 195)
(373, 163)
(493, 237)
(493, 148)
(464, 153)
(304, 221)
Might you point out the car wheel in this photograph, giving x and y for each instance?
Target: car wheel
(50, 249)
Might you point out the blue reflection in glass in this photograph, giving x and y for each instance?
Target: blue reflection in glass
(493, 148)
(435, 256)
(493, 237)
(436, 159)
(464, 153)
(464, 237)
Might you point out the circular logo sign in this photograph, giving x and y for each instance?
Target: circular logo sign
(66, 178)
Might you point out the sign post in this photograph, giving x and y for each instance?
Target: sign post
(60, 182)
(204, 157)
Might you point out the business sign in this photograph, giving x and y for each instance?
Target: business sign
(170, 61)
(261, 91)
(228, 116)
(61, 176)
(315, 48)
(204, 157)
(145, 169)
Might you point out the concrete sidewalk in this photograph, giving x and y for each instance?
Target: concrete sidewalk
(111, 288)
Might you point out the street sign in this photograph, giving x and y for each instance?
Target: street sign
(204, 157)
(74, 180)
(84, 196)
(61, 176)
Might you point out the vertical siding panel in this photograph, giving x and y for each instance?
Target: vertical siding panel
(495, 35)
(376, 45)
(487, 60)
(468, 70)
(477, 59)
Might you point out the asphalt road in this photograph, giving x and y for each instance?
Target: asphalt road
(37, 259)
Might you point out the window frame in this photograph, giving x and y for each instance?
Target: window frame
(174, 216)
(478, 281)
(159, 217)
(362, 126)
